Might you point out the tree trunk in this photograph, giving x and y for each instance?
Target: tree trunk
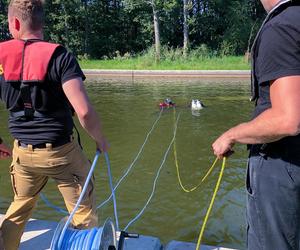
(248, 52)
(185, 27)
(156, 31)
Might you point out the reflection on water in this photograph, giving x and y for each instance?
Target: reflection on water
(195, 112)
(128, 112)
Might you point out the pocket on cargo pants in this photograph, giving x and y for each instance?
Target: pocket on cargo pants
(70, 180)
(25, 183)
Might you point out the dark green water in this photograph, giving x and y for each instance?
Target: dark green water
(128, 111)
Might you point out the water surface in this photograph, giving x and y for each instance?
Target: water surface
(128, 111)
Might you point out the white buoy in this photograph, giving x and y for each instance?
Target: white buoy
(196, 104)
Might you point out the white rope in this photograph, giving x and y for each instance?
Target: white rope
(134, 161)
(156, 178)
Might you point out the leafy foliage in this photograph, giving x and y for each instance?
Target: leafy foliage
(107, 28)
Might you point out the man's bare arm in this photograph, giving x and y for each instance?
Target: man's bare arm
(88, 117)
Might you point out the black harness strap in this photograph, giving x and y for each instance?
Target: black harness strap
(25, 90)
(21, 114)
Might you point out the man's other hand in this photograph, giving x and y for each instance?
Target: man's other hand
(5, 152)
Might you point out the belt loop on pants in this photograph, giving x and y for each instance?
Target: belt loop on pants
(16, 143)
(30, 147)
(49, 146)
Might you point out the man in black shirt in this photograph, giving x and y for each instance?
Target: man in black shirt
(41, 85)
(273, 176)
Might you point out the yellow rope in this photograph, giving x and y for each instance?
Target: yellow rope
(194, 188)
(211, 204)
(185, 189)
(179, 178)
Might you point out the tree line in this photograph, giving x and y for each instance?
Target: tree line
(106, 28)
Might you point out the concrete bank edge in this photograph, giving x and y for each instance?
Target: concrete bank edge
(168, 73)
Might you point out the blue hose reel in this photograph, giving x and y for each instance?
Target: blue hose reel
(103, 238)
(66, 237)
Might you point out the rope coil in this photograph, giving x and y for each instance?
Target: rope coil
(88, 239)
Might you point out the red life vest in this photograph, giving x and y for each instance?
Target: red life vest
(26, 63)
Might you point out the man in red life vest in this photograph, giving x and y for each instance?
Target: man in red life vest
(42, 84)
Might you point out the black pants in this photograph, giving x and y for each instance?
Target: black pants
(273, 205)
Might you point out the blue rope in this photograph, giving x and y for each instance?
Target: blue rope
(89, 239)
(63, 211)
(49, 204)
(62, 239)
(156, 178)
(80, 239)
(112, 189)
(64, 231)
(134, 161)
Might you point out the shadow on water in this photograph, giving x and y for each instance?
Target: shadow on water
(128, 111)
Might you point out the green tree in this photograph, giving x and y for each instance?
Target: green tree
(4, 33)
(65, 24)
(186, 26)
(241, 27)
(109, 28)
(155, 7)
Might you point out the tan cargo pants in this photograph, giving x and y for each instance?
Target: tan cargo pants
(30, 170)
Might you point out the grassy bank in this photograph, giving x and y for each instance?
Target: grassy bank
(176, 63)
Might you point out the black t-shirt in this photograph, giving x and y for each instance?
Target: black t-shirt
(278, 56)
(62, 67)
(278, 52)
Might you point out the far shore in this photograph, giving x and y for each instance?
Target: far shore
(145, 67)
(147, 63)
